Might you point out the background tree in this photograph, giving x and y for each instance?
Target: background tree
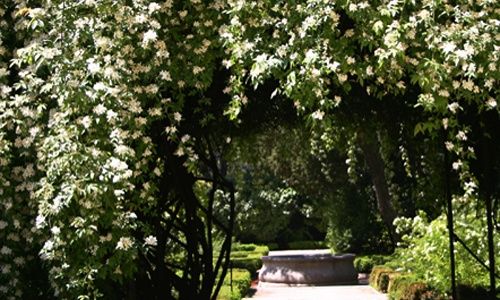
(113, 137)
(443, 54)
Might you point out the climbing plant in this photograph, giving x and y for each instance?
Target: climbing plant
(114, 120)
(110, 150)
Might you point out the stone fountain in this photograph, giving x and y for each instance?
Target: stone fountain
(307, 267)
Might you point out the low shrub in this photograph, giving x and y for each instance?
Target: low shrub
(399, 286)
(466, 292)
(259, 250)
(225, 293)
(305, 245)
(248, 256)
(273, 246)
(237, 254)
(241, 280)
(424, 249)
(379, 277)
(408, 287)
(387, 281)
(365, 263)
(252, 264)
(243, 247)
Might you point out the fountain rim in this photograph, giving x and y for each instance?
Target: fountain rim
(308, 257)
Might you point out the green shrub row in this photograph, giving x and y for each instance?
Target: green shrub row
(407, 287)
(248, 256)
(238, 254)
(401, 286)
(404, 286)
(424, 248)
(381, 277)
(241, 280)
(260, 251)
(245, 261)
(252, 264)
(365, 263)
(300, 245)
(243, 247)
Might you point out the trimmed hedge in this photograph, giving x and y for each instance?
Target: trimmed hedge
(252, 264)
(259, 251)
(408, 287)
(401, 286)
(365, 263)
(241, 284)
(306, 245)
(243, 247)
(238, 254)
(380, 277)
(244, 258)
(299, 245)
(473, 292)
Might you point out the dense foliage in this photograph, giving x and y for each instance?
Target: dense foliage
(114, 128)
(426, 243)
(110, 149)
(345, 64)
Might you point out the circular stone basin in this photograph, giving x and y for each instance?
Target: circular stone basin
(308, 269)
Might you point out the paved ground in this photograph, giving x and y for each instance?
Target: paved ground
(345, 292)
(339, 292)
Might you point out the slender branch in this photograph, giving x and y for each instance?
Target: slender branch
(477, 258)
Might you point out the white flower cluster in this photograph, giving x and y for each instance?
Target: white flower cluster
(92, 149)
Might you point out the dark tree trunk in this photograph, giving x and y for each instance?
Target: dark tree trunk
(370, 146)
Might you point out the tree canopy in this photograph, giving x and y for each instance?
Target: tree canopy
(116, 116)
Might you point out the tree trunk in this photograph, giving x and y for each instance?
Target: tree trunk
(370, 146)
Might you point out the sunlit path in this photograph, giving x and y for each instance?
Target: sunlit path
(346, 292)
(270, 291)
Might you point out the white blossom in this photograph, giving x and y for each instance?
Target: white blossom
(150, 241)
(6, 250)
(86, 122)
(124, 243)
(40, 221)
(461, 135)
(318, 115)
(55, 230)
(491, 103)
(153, 6)
(100, 109)
(449, 47)
(149, 36)
(177, 116)
(93, 67)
